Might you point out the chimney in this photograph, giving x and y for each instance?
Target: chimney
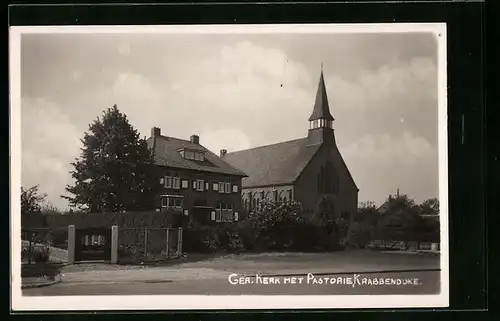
(195, 139)
(223, 152)
(155, 131)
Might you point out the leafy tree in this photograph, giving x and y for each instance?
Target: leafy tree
(49, 208)
(115, 171)
(274, 226)
(365, 224)
(398, 219)
(427, 228)
(31, 200)
(31, 207)
(429, 206)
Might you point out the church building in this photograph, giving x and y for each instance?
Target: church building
(309, 170)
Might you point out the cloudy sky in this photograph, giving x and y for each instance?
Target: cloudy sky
(237, 91)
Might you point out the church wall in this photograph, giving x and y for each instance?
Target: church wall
(307, 192)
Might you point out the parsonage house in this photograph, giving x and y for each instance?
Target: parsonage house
(196, 183)
(308, 170)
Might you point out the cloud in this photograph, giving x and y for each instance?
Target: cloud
(49, 143)
(246, 81)
(135, 86)
(386, 163)
(124, 49)
(76, 75)
(407, 82)
(231, 139)
(236, 93)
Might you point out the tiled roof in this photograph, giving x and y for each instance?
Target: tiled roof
(166, 154)
(321, 107)
(273, 164)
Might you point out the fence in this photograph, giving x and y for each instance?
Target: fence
(403, 246)
(43, 251)
(148, 244)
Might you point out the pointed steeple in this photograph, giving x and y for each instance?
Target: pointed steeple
(321, 108)
(321, 121)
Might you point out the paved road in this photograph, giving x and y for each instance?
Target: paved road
(422, 282)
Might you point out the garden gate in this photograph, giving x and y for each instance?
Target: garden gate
(93, 244)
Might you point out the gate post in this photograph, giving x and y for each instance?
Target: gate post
(168, 243)
(71, 244)
(114, 244)
(179, 241)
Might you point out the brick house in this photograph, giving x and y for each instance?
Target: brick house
(306, 170)
(196, 184)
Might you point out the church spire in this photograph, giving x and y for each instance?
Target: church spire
(321, 108)
(321, 121)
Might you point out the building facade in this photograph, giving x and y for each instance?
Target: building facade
(309, 170)
(196, 184)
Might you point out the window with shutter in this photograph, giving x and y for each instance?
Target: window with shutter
(200, 185)
(194, 184)
(176, 182)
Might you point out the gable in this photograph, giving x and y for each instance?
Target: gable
(344, 167)
(329, 153)
(275, 164)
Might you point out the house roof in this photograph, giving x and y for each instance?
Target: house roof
(274, 164)
(321, 107)
(166, 153)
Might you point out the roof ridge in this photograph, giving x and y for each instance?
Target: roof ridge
(170, 137)
(268, 145)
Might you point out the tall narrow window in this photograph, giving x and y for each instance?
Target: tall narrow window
(218, 212)
(199, 185)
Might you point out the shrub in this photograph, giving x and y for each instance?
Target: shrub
(40, 254)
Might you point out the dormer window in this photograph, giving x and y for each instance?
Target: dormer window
(192, 154)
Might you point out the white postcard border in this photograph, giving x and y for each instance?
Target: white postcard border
(203, 302)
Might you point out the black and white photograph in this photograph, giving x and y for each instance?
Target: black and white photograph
(229, 167)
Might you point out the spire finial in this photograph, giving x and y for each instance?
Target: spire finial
(322, 67)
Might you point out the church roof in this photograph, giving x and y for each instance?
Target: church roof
(321, 108)
(274, 164)
(166, 153)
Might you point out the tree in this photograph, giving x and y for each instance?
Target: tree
(398, 219)
(364, 224)
(31, 207)
(115, 171)
(430, 206)
(31, 200)
(49, 208)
